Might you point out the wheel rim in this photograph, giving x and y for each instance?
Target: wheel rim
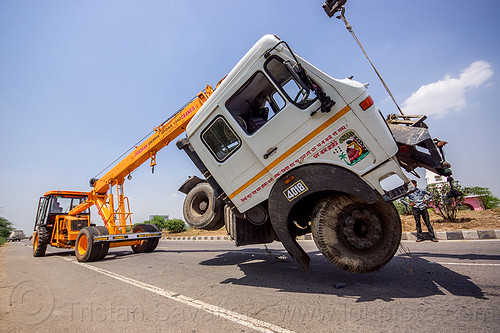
(140, 228)
(35, 242)
(361, 229)
(200, 204)
(82, 245)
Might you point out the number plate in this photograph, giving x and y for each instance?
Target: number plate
(295, 190)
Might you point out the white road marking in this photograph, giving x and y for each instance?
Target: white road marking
(463, 263)
(455, 240)
(235, 317)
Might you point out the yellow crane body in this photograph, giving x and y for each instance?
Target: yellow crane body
(70, 227)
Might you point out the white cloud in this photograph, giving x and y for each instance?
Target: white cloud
(447, 95)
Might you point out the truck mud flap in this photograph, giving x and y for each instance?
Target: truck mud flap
(308, 180)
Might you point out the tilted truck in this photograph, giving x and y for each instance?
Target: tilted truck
(284, 150)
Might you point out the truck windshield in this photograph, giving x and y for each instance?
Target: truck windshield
(61, 204)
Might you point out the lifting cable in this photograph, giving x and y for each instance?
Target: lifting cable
(349, 28)
(144, 138)
(125, 153)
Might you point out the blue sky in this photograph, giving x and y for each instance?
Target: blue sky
(82, 81)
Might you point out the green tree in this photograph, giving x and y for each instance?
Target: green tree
(159, 221)
(488, 199)
(5, 227)
(175, 226)
(447, 207)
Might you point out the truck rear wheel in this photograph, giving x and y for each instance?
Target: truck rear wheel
(202, 210)
(85, 248)
(354, 235)
(40, 241)
(103, 251)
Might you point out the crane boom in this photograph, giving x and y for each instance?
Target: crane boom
(102, 195)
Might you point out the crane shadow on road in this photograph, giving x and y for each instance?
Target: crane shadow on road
(404, 277)
(60, 253)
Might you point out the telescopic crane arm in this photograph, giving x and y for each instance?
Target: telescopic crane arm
(102, 193)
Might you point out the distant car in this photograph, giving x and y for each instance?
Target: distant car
(16, 235)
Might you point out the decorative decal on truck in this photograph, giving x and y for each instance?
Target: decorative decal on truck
(295, 190)
(354, 148)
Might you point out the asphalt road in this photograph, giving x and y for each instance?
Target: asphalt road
(212, 286)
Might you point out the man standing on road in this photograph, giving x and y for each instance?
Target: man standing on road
(418, 203)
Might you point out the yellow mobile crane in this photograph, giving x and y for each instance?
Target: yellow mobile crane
(63, 217)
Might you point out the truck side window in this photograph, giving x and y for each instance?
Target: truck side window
(296, 91)
(220, 139)
(255, 103)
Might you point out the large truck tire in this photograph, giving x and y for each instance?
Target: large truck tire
(40, 241)
(202, 209)
(85, 248)
(354, 235)
(103, 251)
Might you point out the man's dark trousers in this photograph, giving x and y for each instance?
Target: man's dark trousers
(425, 215)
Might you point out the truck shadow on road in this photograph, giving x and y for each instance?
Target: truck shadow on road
(403, 277)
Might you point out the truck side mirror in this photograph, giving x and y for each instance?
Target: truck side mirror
(297, 72)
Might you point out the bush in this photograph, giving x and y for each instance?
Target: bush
(175, 226)
(447, 207)
(402, 208)
(2, 240)
(159, 221)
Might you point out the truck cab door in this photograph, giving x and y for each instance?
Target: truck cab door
(273, 112)
(41, 213)
(255, 130)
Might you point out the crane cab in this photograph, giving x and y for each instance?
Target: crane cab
(54, 223)
(55, 226)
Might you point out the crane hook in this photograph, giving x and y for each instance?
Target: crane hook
(153, 161)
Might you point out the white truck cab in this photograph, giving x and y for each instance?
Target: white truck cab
(288, 150)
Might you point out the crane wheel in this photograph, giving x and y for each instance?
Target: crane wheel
(153, 242)
(146, 244)
(85, 249)
(202, 209)
(40, 241)
(104, 247)
(354, 235)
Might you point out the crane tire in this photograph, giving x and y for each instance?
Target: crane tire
(102, 231)
(202, 209)
(354, 235)
(143, 246)
(40, 241)
(152, 242)
(85, 248)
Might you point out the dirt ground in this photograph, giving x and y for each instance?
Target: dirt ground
(467, 220)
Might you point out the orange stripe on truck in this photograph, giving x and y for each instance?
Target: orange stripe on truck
(292, 150)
